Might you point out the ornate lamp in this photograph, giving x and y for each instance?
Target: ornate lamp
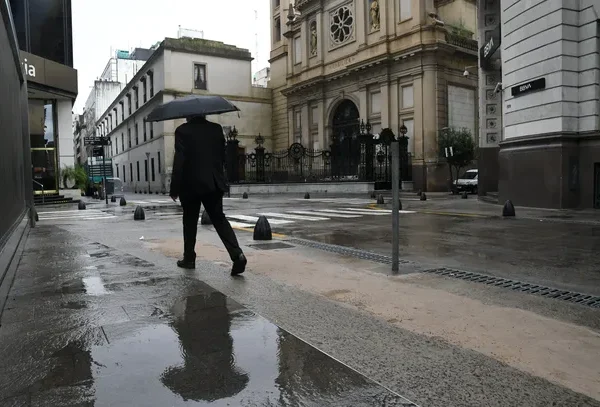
(368, 127)
(233, 133)
(259, 140)
(403, 130)
(362, 127)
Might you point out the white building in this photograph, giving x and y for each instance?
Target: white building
(262, 78)
(539, 113)
(143, 152)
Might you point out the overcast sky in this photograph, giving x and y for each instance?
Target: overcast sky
(102, 26)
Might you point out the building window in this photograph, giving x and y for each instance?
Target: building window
(152, 168)
(131, 171)
(146, 170)
(129, 103)
(116, 144)
(375, 103)
(407, 97)
(297, 50)
(314, 114)
(159, 164)
(122, 111)
(200, 76)
(151, 79)
(144, 90)
(138, 170)
(136, 96)
(129, 138)
(116, 117)
(122, 142)
(145, 132)
(405, 10)
(277, 30)
(277, 3)
(298, 126)
(137, 141)
(151, 130)
(110, 123)
(117, 168)
(124, 174)
(341, 25)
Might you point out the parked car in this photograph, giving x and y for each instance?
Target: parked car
(468, 182)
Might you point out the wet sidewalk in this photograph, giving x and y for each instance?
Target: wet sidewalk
(86, 325)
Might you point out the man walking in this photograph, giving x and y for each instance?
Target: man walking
(198, 179)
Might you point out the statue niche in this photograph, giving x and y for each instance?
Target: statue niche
(313, 39)
(375, 16)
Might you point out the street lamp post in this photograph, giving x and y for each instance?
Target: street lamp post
(148, 170)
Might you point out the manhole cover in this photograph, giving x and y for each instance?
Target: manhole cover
(270, 246)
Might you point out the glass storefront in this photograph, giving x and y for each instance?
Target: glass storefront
(42, 128)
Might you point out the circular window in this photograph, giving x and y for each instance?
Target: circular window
(342, 24)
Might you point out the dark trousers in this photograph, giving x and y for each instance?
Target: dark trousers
(213, 204)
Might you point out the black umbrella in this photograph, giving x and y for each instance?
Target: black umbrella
(189, 106)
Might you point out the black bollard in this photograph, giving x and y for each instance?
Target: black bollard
(307, 196)
(81, 206)
(465, 195)
(262, 229)
(113, 199)
(245, 195)
(139, 214)
(35, 215)
(205, 219)
(380, 200)
(419, 192)
(423, 196)
(508, 209)
(123, 202)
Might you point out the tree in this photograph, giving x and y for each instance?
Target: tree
(76, 174)
(460, 142)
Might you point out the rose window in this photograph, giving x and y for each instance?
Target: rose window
(342, 24)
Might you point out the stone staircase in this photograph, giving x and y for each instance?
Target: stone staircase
(38, 200)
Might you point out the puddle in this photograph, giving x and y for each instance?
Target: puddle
(94, 286)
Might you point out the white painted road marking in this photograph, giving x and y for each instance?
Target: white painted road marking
(89, 214)
(255, 218)
(235, 224)
(330, 213)
(289, 216)
(355, 212)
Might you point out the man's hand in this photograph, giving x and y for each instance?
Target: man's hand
(174, 198)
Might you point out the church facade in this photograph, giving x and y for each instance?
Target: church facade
(388, 62)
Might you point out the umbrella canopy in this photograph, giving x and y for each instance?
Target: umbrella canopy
(189, 106)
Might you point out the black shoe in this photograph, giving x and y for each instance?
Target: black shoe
(186, 264)
(239, 266)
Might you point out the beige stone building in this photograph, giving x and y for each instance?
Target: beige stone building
(390, 62)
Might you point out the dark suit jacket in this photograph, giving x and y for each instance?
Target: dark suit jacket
(199, 159)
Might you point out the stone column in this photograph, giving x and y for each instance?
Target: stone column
(305, 125)
(321, 125)
(363, 108)
(385, 106)
(418, 120)
(290, 127)
(430, 148)
(394, 107)
(362, 21)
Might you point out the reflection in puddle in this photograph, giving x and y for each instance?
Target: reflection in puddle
(94, 286)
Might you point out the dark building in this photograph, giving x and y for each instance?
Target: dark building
(45, 41)
(15, 161)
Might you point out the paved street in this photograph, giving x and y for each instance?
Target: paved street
(436, 340)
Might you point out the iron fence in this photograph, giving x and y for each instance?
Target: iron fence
(352, 159)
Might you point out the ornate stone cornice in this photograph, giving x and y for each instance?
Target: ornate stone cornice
(303, 4)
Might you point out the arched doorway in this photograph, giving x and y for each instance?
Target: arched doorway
(345, 146)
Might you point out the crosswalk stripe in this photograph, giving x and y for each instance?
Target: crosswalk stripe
(289, 216)
(72, 212)
(367, 210)
(255, 218)
(337, 200)
(356, 212)
(235, 224)
(331, 214)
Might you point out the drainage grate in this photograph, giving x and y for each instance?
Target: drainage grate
(548, 292)
(270, 246)
(348, 251)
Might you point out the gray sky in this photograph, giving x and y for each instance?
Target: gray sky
(124, 24)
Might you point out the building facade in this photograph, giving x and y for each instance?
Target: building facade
(540, 76)
(142, 152)
(45, 39)
(388, 62)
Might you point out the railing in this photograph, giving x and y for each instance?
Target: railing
(43, 195)
(353, 159)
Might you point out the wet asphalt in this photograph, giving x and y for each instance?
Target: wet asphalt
(90, 328)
